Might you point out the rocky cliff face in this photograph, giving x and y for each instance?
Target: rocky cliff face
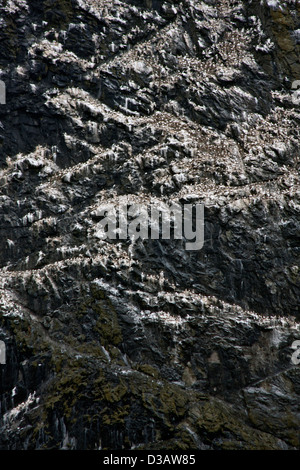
(113, 344)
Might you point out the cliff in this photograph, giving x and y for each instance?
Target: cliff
(118, 345)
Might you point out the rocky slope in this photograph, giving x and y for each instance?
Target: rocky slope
(115, 345)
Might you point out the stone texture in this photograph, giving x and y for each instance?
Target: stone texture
(116, 345)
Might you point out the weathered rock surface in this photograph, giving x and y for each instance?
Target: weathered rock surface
(116, 345)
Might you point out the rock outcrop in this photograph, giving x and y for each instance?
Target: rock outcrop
(112, 344)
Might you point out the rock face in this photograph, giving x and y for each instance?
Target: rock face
(112, 344)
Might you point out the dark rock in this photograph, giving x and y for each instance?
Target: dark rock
(115, 345)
